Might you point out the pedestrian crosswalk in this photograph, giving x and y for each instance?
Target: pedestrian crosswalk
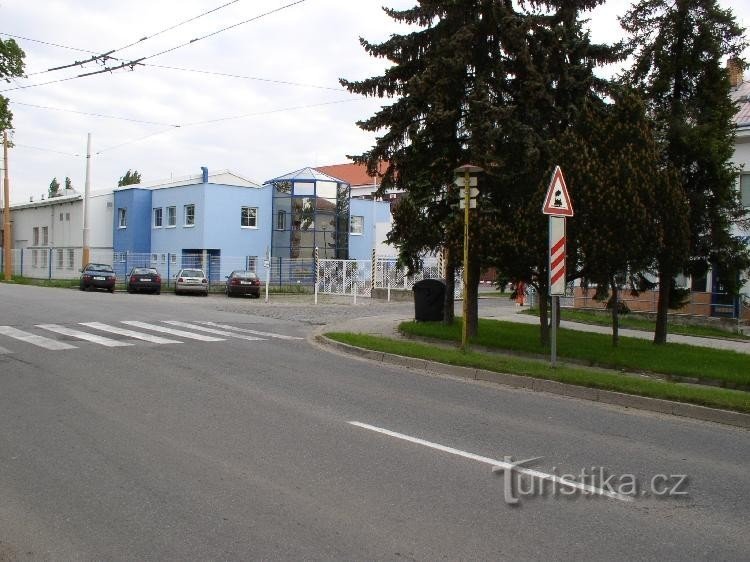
(126, 333)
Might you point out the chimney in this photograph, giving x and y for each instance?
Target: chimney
(204, 169)
(735, 67)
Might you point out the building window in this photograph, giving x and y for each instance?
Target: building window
(43, 263)
(45, 236)
(36, 236)
(171, 216)
(164, 258)
(249, 217)
(34, 258)
(122, 217)
(154, 258)
(190, 215)
(251, 263)
(67, 217)
(357, 224)
(60, 259)
(173, 259)
(71, 258)
(61, 217)
(745, 189)
(157, 218)
(281, 220)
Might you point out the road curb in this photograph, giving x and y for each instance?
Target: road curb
(681, 409)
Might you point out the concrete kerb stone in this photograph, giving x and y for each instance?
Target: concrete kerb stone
(726, 417)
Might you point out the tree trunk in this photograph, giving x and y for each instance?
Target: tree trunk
(615, 314)
(473, 297)
(662, 310)
(450, 286)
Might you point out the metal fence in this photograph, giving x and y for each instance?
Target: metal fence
(388, 274)
(344, 277)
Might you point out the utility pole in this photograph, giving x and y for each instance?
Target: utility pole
(85, 258)
(7, 257)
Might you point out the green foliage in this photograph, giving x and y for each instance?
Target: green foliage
(11, 66)
(130, 178)
(68, 183)
(54, 188)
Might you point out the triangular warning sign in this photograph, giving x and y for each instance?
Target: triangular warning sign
(557, 202)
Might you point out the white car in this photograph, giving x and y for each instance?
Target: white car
(190, 280)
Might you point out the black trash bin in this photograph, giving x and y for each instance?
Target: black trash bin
(429, 300)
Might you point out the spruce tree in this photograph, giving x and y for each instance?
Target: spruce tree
(678, 49)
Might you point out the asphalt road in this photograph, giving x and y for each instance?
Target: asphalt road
(244, 448)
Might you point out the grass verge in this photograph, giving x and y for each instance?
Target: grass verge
(639, 323)
(592, 378)
(728, 368)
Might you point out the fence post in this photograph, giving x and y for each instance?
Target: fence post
(21, 264)
(389, 288)
(49, 264)
(354, 288)
(315, 274)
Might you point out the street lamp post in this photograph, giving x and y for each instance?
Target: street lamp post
(466, 179)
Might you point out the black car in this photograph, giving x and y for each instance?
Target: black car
(243, 283)
(144, 279)
(98, 276)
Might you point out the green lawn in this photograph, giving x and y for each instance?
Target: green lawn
(729, 367)
(581, 376)
(640, 323)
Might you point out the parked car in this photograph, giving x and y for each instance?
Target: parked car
(191, 280)
(243, 283)
(98, 276)
(144, 279)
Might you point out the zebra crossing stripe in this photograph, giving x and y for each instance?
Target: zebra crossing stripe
(128, 333)
(256, 332)
(211, 330)
(172, 331)
(39, 341)
(94, 338)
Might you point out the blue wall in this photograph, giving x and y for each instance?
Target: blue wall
(136, 236)
(360, 245)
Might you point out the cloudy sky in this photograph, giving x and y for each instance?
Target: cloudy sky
(261, 98)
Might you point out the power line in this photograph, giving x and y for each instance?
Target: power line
(45, 43)
(15, 144)
(93, 114)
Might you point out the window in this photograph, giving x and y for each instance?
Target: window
(36, 236)
(60, 259)
(173, 259)
(43, 254)
(71, 258)
(67, 217)
(45, 236)
(745, 189)
(249, 217)
(171, 216)
(281, 220)
(157, 217)
(357, 224)
(122, 217)
(164, 258)
(190, 215)
(154, 258)
(34, 258)
(251, 263)
(61, 217)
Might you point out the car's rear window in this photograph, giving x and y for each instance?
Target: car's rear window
(144, 271)
(100, 267)
(192, 273)
(245, 274)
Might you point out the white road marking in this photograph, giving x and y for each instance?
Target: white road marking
(211, 330)
(165, 330)
(39, 341)
(129, 333)
(94, 338)
(4, 351)
(256, 332)
(498, 464)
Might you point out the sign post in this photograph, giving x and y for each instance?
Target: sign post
(467, 181)
(558, 206)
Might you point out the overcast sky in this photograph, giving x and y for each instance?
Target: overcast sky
(283, 109)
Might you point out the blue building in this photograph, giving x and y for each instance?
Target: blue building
(224, 221)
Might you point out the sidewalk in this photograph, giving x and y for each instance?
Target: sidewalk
(386, 325)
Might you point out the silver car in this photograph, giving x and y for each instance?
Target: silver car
(191, 280)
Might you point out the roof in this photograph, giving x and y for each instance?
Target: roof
(47, 201)
(741, 96)
(223, 177)
(307, 174)
(354, 174)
